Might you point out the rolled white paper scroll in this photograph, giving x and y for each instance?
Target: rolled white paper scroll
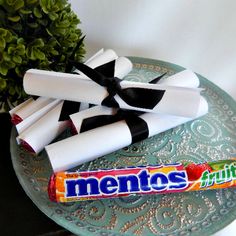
(28, 112)
(47, 128)
(31, 106)
(100, 58)
(185, 78)
(27, 122)
(27, 108)
(74, 151)
(42, 132)
(175, 101)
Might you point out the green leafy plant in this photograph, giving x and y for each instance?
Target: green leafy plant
(39, 34)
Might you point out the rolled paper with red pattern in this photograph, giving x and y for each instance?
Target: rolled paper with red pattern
(141, 180)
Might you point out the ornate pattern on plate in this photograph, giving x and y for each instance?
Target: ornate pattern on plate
(211, 137)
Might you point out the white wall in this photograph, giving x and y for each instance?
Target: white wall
(197, 34)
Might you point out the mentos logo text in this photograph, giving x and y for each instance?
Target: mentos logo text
(115, 184)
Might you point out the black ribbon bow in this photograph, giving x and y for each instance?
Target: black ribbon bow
(137, 126)
(136, 97)
(70, 107)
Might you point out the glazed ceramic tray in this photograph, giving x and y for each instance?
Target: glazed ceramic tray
(211, 137)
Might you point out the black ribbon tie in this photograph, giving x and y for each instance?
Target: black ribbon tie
(136, 97)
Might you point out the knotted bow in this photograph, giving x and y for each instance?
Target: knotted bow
(136, 97)
(70, 107)
(137, 126)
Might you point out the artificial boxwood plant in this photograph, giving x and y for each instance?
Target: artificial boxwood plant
(39, 34)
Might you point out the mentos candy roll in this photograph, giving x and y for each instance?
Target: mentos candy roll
(88, 185)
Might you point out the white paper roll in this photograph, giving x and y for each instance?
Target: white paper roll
(20, 106)
(184, 78)
(72, 87)
(27, 122)
(112, 137)
(76, 150)
(97, 54)
(42, 132)
(31, 106)
(27, 108)
(101, 57)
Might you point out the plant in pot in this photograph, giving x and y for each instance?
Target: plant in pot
(39, 34)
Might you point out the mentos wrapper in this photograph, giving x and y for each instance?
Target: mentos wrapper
(88, 185)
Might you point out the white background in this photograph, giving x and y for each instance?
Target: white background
(199, 35)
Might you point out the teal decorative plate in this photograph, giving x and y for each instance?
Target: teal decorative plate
(211, 137)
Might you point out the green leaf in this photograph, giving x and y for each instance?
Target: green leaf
(30, 53)
(54, 52)
(38, 43)
(3, 32)
(17, 59)
(49, 32)
(8, 37)
(5, 56)
(3, 70)
(2, 43)
(3, 84)
(33, 25)
(20, 41)
(19, 4)
(62, 58)
(10, 50)
(11, 91)
(18, 71)
(53, 16)
(25, 11)
(43, 4)
(31, 1)
(16, 4)
(39, 55)
(37, 12)
(13, 18)
(20, 50)
(10, 64)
